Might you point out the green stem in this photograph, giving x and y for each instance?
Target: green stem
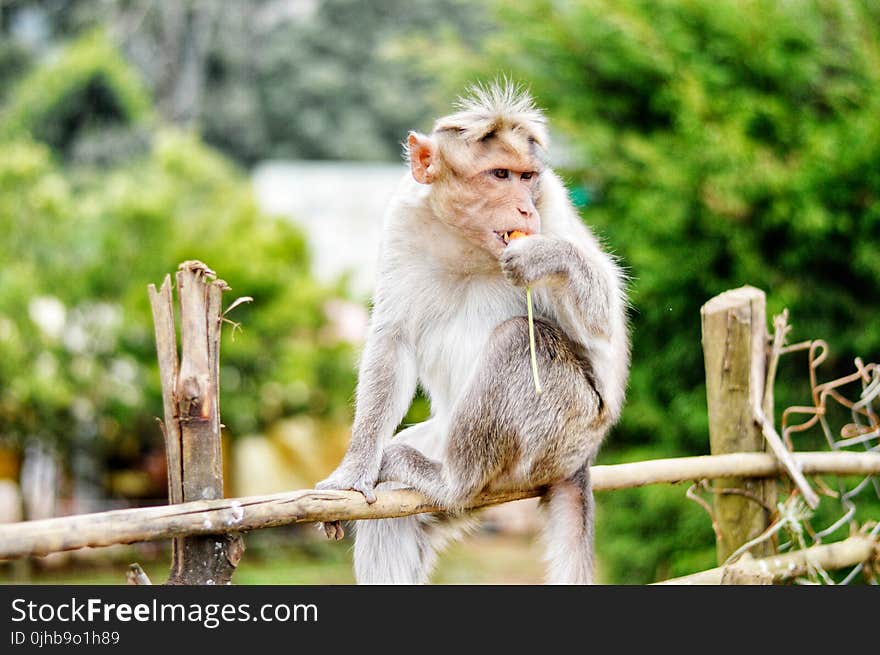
(532, 340)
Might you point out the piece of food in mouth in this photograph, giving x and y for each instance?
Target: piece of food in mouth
(509, 236)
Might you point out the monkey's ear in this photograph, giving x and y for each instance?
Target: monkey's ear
(422, 157)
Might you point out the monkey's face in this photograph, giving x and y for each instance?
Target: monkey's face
(489, 204)
(484, 190)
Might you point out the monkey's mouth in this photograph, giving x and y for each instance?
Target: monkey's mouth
(505, 236)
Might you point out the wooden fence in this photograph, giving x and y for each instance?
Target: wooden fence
(206, 529)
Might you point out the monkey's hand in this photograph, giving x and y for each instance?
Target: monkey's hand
(348, 477)
(536, 259)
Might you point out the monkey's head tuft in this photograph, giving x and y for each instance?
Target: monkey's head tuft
(487, 109)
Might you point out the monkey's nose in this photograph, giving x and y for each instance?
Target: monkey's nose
(525, 213)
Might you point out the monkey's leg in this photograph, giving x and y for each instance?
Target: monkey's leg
(568, 532)
(403, 460)
(530, 440)
(404, 550)
(503, 434)
(501, 431)
(405, 464)
(480, 439)
(561, 433)
(448, 486)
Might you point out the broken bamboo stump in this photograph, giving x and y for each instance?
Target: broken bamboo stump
(191, 426)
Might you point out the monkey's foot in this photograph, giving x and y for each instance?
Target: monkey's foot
(342, 479)
(333, 529)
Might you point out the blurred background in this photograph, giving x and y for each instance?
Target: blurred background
(709, 143)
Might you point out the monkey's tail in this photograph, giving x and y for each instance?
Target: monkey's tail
(568, 532)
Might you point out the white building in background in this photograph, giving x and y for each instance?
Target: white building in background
(340, 206)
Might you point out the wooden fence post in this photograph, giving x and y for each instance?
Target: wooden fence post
(734, 349)
(190, 394)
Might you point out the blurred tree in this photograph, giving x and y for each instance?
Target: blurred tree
(721, 143)
(14, 60)
(78, 99)
(327, 86)
(77, 359)
(323, 83)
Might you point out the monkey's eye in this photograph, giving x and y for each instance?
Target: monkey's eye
(527, 176)
(501, 173)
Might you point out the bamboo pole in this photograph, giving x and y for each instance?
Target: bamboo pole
(779, 568)
(306, 506)
(734, 339)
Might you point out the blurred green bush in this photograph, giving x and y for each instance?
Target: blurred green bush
(81, 243)
(85, 91)
(720, 143)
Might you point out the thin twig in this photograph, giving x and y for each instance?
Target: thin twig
(691, 493)
(784, 455)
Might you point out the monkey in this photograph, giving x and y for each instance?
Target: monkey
(448, 315)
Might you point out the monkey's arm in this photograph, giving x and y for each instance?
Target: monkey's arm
(386, 384)
(582, 281)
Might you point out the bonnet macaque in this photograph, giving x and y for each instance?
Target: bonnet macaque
(449, 315)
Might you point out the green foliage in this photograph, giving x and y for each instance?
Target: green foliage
(722, 143)
(14, 60)
(652, 533)
(326, 86)
(312, 80)
(77, 356)
(88, 88)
